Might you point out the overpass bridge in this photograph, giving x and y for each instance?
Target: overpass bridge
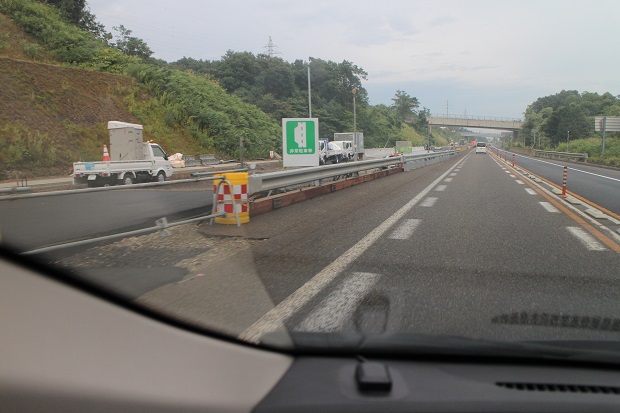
(483, 122)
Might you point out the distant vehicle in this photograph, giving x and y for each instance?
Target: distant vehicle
(329, 152)
(481, 147)
(348, 152)
(130, 160)
(356, 138)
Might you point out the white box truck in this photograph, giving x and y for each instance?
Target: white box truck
(131, 160)
(357, 139)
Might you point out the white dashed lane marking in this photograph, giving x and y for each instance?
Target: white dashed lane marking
(548, 207)
(405, 230)
(448, 180)
(586, 239)
(520, 182)
(440, 188)
(428, 202)
(340, 304)
(530, 191)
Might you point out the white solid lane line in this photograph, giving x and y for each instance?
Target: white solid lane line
(586, 239)
(548, 207)
(405, 230)
(274, 319)
(338, 307)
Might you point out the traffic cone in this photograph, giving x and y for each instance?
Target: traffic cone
(106, 155)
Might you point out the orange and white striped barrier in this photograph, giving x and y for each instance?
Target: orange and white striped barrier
(564, 175)
(106, 154)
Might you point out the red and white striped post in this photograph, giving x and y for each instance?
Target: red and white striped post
(564, 182)
(513, 160)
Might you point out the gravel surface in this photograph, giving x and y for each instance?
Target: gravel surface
(184, 247)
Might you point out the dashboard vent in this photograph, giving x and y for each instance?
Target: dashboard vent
(560, 388)
(559, 320)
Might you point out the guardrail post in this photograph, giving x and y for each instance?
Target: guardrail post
(513, 160)
(564, 182)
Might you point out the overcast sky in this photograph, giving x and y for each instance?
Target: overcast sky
(482, 58)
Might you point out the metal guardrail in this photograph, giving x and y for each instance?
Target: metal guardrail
(561, 155)
(203, 174)
(198, 177)
(275, 180)
(160, 225)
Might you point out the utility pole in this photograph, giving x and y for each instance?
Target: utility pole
(354, 118)
(309, 92)
(567, 137)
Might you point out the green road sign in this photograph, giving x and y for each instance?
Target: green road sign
(300, 137)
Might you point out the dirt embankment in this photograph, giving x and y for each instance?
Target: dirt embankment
(57, 111)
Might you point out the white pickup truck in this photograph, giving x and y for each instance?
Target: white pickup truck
(131, 160)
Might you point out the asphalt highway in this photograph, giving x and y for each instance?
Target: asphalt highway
(455, 251)
(466, 247)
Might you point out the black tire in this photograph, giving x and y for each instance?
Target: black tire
(128, 179)
(161, 176)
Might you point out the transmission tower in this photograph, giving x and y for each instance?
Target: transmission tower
(271, 48)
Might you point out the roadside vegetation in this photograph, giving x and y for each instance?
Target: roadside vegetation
(551, 120)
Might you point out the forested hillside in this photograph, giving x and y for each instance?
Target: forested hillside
(569, 115)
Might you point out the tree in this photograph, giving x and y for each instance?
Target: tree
(130, 45)
(405, 106)
(76, 12)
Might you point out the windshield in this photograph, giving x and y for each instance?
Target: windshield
(473, 200)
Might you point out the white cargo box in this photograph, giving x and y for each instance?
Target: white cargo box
(126, 143)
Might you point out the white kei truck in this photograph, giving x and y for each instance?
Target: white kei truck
(131, 160)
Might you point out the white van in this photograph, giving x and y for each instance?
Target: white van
(481, 147)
